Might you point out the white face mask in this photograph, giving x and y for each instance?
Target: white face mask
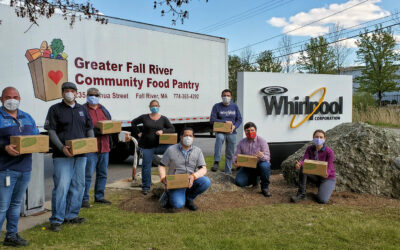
(11, 104)
(187, 141)
(226, 99)
(69, 96)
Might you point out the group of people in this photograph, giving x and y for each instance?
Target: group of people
(72, 175)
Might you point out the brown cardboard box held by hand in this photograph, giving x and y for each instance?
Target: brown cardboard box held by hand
(109, 127)
(177, 181)
(82, 146)
(168, 138)
(47, 77)
(223, 127)
(315, 167)
(247, 161)
(27, 144)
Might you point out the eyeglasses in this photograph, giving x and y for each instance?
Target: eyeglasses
(93, 95)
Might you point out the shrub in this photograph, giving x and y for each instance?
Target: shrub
(363, 100)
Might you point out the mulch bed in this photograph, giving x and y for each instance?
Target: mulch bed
(252, 197)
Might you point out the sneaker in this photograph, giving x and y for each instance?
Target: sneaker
(297, 198)
(190, 205)
(145, 192)
(85, 204)
(55, 227)
(15, 241)
(77, 220)
(266, 192)
(215, 167)
(103, 201)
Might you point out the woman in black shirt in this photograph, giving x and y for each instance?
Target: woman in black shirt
(154, 125)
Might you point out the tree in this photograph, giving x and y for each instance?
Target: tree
(239, 64)
(175, 7)
(340, 52)
(234, 66)
(286, 52)
(246, 57)
(317, 57)
(35, 9)
(377, 52)
(267, 63)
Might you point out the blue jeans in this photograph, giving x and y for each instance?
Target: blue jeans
(148, 154)
(98, 161)
(229, 149)
(69, 185)
(247, 176)
(325, 186)
(178, 197)
(11, 198)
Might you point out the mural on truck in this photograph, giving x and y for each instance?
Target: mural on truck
(49, 69)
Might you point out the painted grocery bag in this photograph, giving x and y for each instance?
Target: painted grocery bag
(49, 69)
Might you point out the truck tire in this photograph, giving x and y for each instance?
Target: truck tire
(121, 152)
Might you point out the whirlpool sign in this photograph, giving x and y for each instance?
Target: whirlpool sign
(289, 107)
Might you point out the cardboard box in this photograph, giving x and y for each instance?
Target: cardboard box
(247, 161)
(315, 167)
(47, 77)
(82, 146)
(168, 139)
(177, 181)
(27, 144)
(222, 127)
(109, 127)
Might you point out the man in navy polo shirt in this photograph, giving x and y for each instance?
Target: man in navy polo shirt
(67, 120)
(15, 169)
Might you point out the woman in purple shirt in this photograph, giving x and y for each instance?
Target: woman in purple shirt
(256, 146)
(319, 151)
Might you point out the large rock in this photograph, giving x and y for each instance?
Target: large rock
(366, 159)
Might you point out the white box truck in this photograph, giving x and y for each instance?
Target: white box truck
(131, 63)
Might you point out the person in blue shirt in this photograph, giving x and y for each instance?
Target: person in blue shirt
(15, 168)
(225, 111)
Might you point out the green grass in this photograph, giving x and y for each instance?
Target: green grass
(268, 227)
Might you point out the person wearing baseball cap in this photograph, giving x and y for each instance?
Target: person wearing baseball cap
(67, 120)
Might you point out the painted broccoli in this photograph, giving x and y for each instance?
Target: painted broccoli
(57, 47)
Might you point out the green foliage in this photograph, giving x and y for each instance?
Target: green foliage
(363, 100)
(267, 63)
(377, 52)
(317, 57)
(57, 47)
(234, 66)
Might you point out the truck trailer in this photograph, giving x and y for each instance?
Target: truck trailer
(131, 63)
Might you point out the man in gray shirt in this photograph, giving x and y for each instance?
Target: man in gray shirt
(183, 158)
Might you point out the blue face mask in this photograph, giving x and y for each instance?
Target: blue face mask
(93, 100)
(154, 110)
(318, 141)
